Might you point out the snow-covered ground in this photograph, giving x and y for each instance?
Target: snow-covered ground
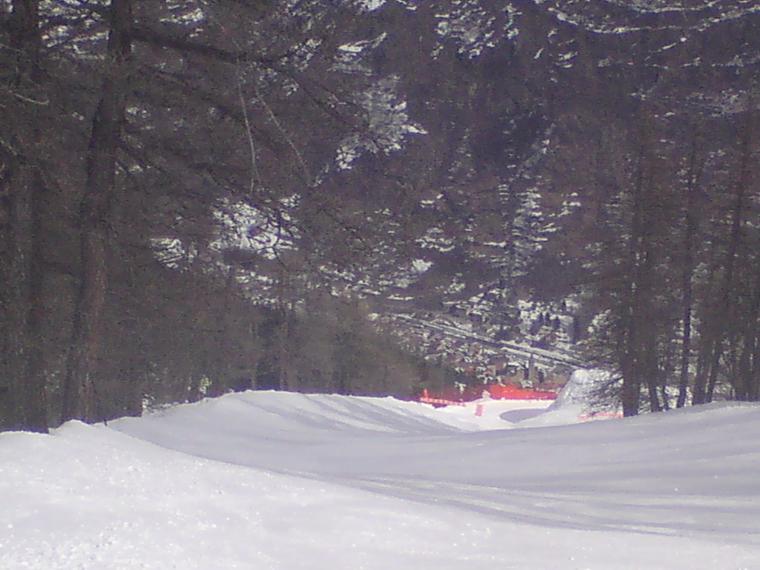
(266, 480)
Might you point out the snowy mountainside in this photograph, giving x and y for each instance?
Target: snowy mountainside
(498, 221)
(466, 185)
(290, 481)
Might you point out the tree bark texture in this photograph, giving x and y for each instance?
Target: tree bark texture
(726, 313)
(633, 361)
(80, 397)
(26, 232)
(687, 275)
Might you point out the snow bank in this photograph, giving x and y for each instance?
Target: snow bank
(582, 390)
(287, 481)
(578, 401)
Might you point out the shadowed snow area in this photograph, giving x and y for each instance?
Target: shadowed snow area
(274, 480)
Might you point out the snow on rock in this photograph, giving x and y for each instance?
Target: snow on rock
(581, 388)
(287, 481)
(579, 400)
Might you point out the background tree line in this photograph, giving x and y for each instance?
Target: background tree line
(132, 133)
(670, 267)
(204, 195)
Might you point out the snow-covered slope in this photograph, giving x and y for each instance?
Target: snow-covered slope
(273, 480)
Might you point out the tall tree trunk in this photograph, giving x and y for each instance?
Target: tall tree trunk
(284, 312)
(666, 372)
(754, 387)
(747, 385)
(15, 293)
(727, 313)
(35, 381)
(26, 228)
(79, 399)
(647, 348)
(652, 373)
(705, 346)
(687, 274)
(632, 362)
(220, 372)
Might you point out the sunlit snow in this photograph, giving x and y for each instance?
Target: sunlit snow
(289, 481)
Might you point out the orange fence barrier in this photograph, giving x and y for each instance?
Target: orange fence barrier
(500, 392)
(453, 397)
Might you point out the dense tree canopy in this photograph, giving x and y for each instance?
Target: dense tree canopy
(199, 195)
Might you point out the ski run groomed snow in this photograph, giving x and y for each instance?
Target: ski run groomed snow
(266, 480)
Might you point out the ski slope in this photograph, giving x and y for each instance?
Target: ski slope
(266, 480)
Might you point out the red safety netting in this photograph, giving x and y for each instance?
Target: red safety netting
(509, 392)
(454, 396)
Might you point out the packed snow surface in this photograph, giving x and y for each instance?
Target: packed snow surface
(265, 480)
